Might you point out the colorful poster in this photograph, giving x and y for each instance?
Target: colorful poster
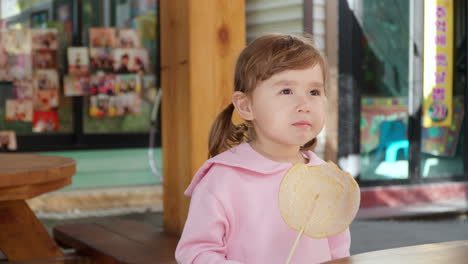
(438, 63)
(374, 112)
(78, 60)
(442, 141)
(439, 141)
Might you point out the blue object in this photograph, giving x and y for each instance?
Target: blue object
(391, 153)
(391, 132)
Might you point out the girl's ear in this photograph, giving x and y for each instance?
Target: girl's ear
(243, 105)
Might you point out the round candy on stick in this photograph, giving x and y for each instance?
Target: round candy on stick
(319, 201)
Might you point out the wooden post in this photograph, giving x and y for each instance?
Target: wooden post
(200, 41)
(331, 50)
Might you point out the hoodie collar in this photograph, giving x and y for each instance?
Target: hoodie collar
(245, 157)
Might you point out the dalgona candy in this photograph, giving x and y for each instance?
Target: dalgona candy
(323, 200)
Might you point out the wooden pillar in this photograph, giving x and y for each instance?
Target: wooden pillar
(200, 41)
(331, 52)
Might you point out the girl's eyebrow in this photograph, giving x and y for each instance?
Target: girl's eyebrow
(284, 82)
(316, 84)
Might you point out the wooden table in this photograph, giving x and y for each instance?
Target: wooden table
(24, 176)
(453, 252)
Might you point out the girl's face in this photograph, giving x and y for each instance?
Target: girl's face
(289, 108)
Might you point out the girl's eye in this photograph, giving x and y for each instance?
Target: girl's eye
(286, 91)
(315, 92)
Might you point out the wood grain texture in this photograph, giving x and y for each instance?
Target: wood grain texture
(200, 41)
(453, 252)
(19, 169)
(331, 52)
(23, 176)
(22, 235)
(24, 192)
(121, 241)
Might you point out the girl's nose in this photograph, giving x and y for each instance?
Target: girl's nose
(303, 105)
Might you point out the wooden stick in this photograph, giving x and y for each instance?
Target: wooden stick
(294, 246)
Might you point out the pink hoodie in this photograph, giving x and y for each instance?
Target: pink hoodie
(234, 215)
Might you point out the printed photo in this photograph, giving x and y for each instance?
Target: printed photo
(76, 85)
(45, 121)
(140, 61)
(78, 60)
(4, 65)
(8, 140)
(17, 41)
(100, 106)
(44, 59)
(20, 67)
(102, 84)
(149, 81)
(101, 59)
(44, 39)
(5, 75)
(46, 80)
(23, 89)
(45, 90)
(128, 38)
(127, 83)
(131, 61)
(122, 61)
(102, 37)
(19, 110)
(127, 103)
(45, 100)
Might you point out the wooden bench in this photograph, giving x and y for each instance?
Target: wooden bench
(121, 241)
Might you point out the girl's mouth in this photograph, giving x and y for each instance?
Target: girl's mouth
(302, 124)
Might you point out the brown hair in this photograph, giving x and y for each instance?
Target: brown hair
(261, 59)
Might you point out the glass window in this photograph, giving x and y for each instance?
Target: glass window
(383, 79)
(31, 68)
(131, 26)
(57, 80)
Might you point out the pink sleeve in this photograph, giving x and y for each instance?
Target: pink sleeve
(340, 244)
(203, 239)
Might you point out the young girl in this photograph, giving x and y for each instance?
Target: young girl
(234, 216)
